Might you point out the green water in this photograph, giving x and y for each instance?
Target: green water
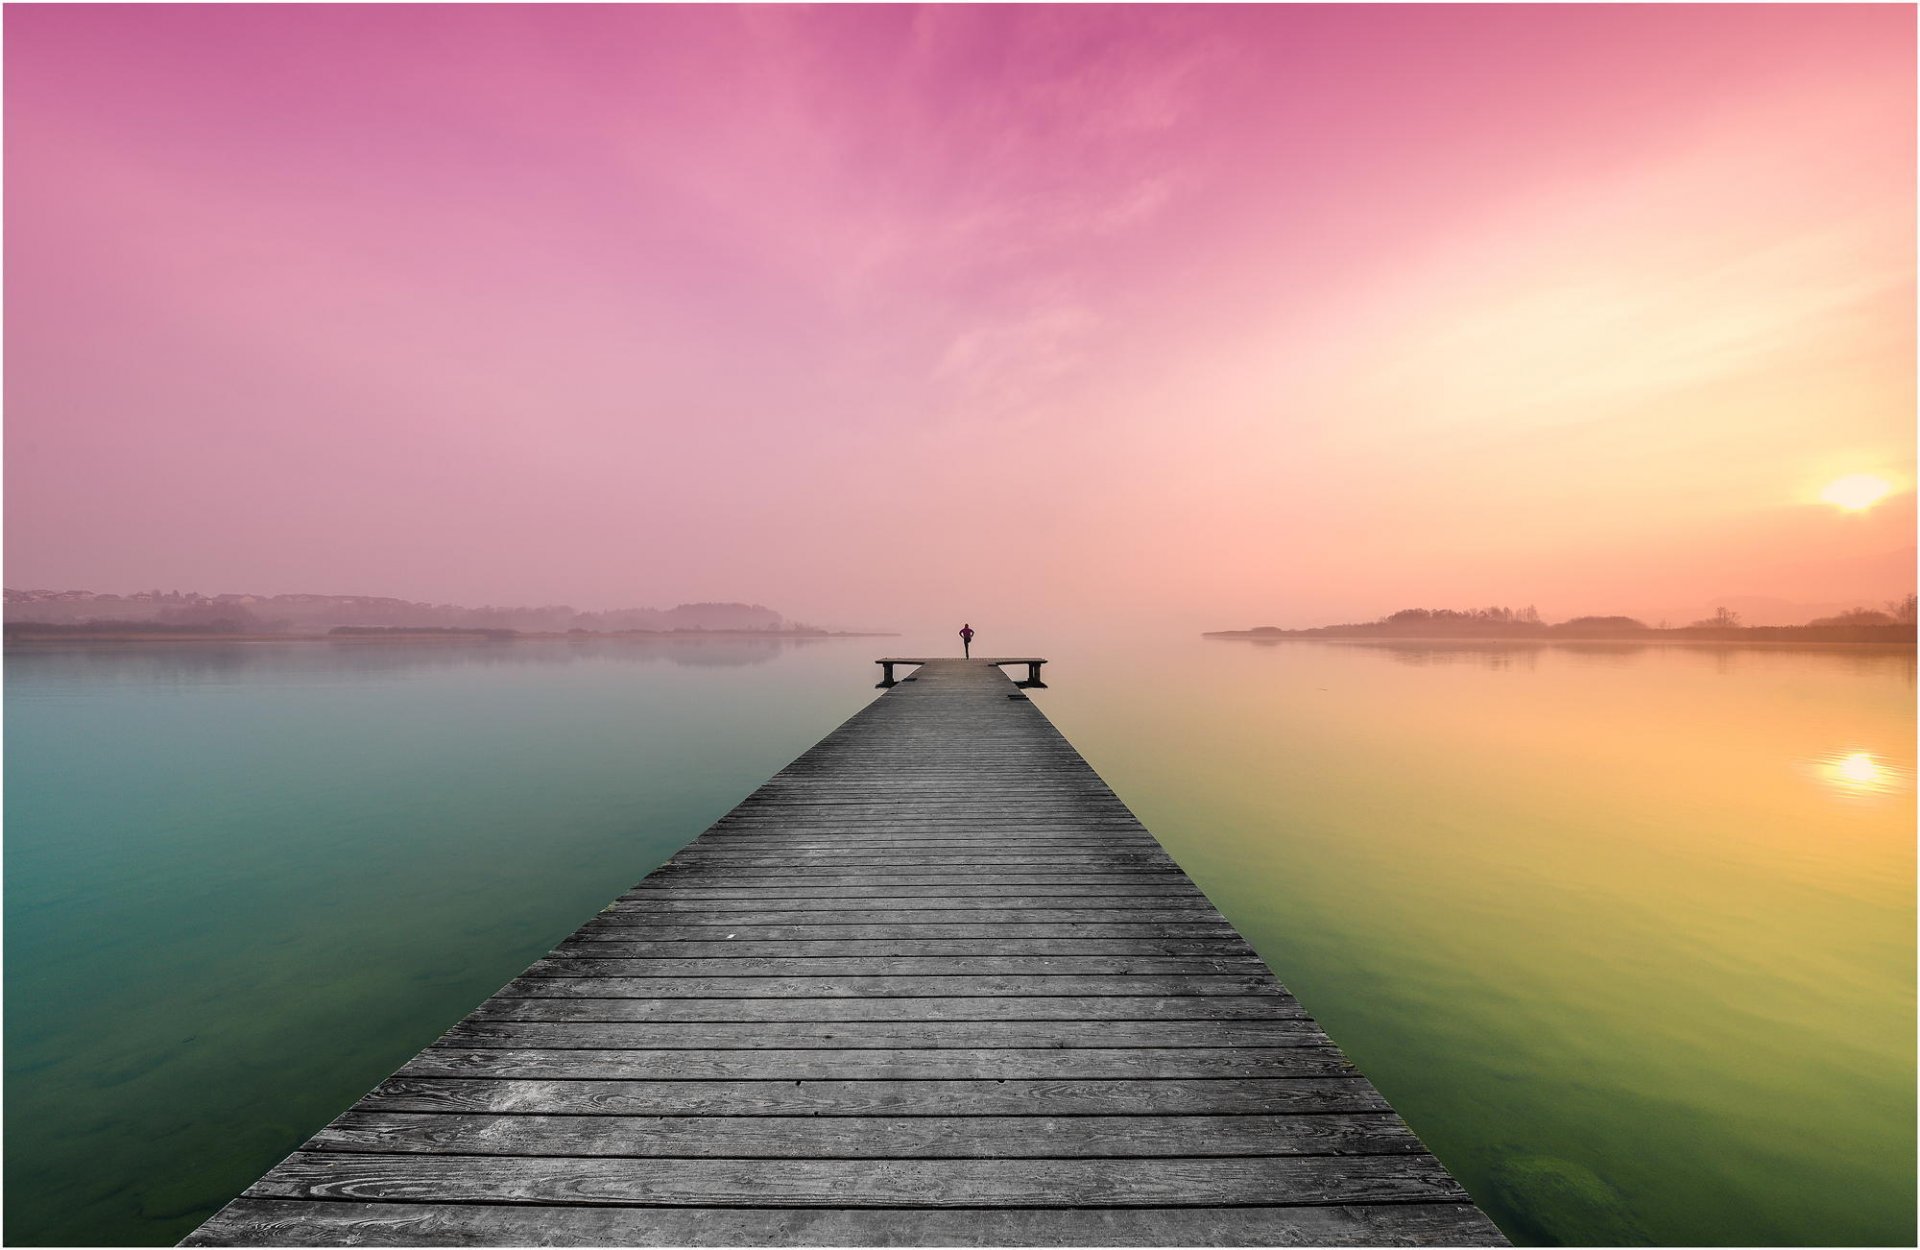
(1627, 935)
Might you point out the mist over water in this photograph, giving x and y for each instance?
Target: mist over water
(1625, 932)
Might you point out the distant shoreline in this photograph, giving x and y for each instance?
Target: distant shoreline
(1822, 635)
(31, 633)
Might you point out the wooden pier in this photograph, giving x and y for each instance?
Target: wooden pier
(932, 984)
(1033, 682)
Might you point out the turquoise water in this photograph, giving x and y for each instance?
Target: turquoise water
(1626, 933)
(244, 882)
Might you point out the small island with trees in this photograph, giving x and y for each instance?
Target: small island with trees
(1891, 623)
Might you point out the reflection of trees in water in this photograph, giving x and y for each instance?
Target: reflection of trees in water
(1605, 654)
(1490, 655)
(164, 662)
(1726, 657)
(1860, 661)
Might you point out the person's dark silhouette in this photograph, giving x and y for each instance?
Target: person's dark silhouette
(966, 640)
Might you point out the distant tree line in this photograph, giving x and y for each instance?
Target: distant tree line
(1447, 618)
(431, 631)
(1892, 612)
(317, 613)
(1893, 621)
(30, 629)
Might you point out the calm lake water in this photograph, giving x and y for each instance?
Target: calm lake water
(1627, 934)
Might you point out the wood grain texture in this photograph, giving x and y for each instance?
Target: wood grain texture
(884, 1034)
(1108, 1182)
(932, 984)
(869, 1137)
(696, 929)
(1191, 985)
(1017, 909)
(877, 1065)
(905, 1008)
(946, 1099)
(623, 944)
(252, 1222)
(771, 892)
(592, 962)
(862, 885)
(258, 1222)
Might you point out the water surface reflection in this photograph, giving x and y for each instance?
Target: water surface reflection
(245, 880)
(1862, 774)
(59, 661)
(1626, 931)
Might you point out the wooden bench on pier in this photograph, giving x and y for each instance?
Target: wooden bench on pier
(1032, 682)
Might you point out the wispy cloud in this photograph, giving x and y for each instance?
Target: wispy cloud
(367, 282)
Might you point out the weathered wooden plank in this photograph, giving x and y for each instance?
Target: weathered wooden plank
(1040, 806)
(880, 1065)
(1099, 1097)
(881, 834)
(989, 858)
(988, 861)
(1150, 910)
(918, 891)
(1033, 804)
(917, 888)
(1272, 1180)
(868, 1137)
(733, 916)
(252, 1221)
(585, 960)
(921, 800)
(969, 836)
(619, 943)
(827, 1010)
(882, 1034)
(925, 811)
(882, 857)
(908, 873)
(1067, 830)
(692, 928)
(965, 827)
(960, 823)
(882, 987)
(722, 844)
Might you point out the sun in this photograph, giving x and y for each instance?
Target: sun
(1856, 492)
(1861, 773)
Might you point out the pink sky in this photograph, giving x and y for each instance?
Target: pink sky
(1195, 317)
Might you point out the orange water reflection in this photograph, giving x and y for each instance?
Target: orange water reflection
(1626, 932)
(1862, 774)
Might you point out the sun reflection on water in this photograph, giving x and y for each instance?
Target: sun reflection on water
(1861, 773)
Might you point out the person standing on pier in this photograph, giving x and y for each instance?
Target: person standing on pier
(966, 640)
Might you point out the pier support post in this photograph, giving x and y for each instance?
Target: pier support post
(886, 674)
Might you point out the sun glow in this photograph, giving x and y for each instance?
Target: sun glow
(1856, 492)
(1860, 773)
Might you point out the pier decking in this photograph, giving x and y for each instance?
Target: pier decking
(1033, 663)
(932, 984)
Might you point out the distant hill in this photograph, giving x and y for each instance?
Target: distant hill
(318, 613)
